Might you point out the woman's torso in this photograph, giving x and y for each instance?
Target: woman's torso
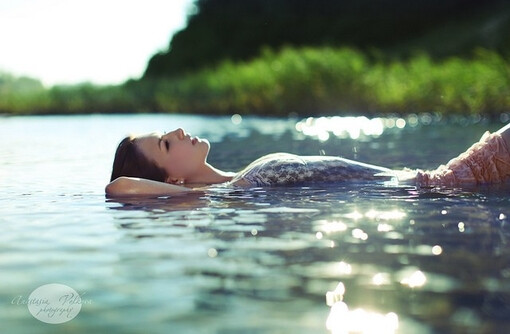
(286, 169)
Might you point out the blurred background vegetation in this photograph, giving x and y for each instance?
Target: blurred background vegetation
(276, 57)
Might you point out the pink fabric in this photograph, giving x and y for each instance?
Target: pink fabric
(487, 161)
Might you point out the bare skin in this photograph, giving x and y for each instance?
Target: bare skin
(185, 160)
(183, 157)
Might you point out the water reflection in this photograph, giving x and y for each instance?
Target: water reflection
(160, 204)
(342, 320)
(347, 127)
(414, 279)
(256, 260)
(279, 244)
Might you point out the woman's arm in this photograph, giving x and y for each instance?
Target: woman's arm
(132, 186)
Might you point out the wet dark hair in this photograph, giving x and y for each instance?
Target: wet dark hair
(130, 161)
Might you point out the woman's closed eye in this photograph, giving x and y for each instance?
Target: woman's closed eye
(167, 145)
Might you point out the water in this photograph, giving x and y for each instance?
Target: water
(258, 260)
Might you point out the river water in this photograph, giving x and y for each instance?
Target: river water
(318, 258)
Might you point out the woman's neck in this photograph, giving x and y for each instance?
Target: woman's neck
(210, 175)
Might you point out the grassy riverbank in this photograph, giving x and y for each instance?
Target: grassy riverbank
(308, 81)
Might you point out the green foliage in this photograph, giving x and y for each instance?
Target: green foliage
(328, 80)
(83, 98)
(88, 98)
(19, 94)
(308, 81)
(237, 30)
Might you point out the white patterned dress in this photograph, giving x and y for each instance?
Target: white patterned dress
(485, 162)
(287, 169)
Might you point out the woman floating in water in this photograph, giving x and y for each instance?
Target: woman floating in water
(167, 164)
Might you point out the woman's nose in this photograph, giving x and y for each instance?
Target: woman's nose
(179, 133)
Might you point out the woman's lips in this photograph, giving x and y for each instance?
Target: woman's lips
(194, 140)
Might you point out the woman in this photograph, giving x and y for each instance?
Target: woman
(175, 162)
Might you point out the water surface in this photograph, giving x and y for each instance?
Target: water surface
(258, 260)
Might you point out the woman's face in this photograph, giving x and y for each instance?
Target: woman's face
(179, 154)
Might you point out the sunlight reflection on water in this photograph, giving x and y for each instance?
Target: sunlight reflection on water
(342, 320)
(347, 127)
(254, 260)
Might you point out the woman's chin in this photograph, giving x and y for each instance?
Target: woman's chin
(204, 143)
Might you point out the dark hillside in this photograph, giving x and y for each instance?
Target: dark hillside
(238, 30)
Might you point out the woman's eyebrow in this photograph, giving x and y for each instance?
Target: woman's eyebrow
(159, 142)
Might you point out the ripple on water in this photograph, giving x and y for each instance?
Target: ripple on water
(249, 260)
